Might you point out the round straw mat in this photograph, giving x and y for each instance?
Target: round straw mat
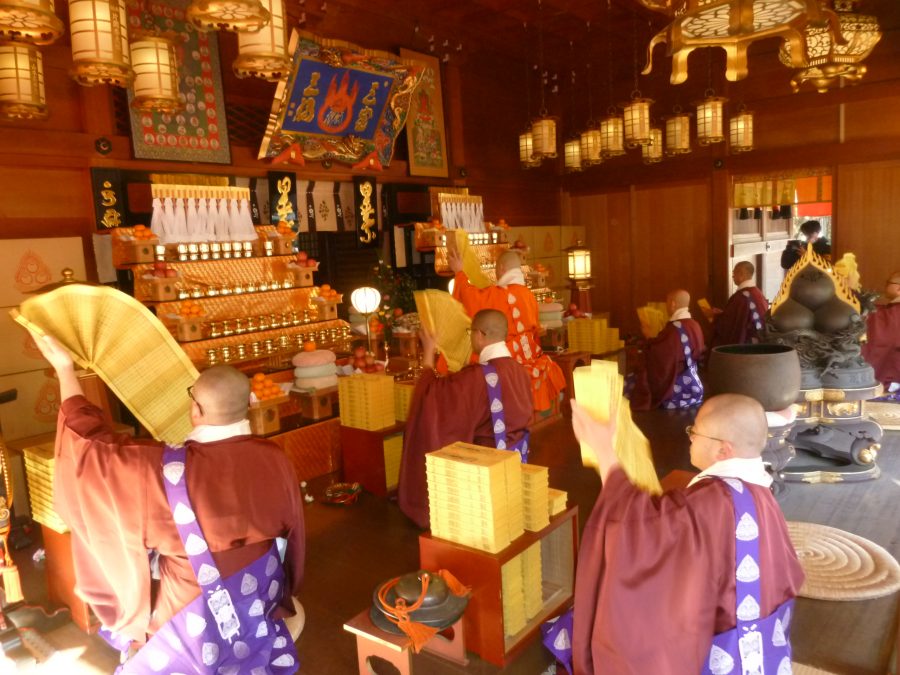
(886, 414)
(840, 565)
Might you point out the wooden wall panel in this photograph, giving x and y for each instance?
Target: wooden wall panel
(868, 219)
(44, 194)
(872, 119)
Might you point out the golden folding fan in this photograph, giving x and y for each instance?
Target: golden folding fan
(444, 317)
(118, 338)
(598, 389)
(471, 264)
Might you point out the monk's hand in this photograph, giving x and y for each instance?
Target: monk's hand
(53, 351)
(454, 260)
(596, 435)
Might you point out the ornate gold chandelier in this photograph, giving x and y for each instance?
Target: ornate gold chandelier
(31, 21)
(233, 15)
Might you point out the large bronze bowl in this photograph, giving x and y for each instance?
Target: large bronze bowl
(768, 373)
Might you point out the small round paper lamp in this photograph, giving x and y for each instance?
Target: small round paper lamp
(365, 300)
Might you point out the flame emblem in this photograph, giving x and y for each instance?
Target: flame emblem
(335, 113)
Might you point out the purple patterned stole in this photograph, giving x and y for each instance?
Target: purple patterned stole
(755, 317)
(756, 646)
(687, 392)
(498, 421)
(229, 628)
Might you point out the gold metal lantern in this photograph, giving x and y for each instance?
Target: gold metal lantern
(99, 33)
(652, 152)
(591, 146)
(678, 134)
(22, 94)
(636, 120)
(710, 119)
(612, 134)
(233, 15)
(31, 21)
(740, 131)
(572, 152)
(264, 54)
(155, 75)
(543, 134)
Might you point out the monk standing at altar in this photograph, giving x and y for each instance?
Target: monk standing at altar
(669, 377)
(511, 296)
(488, 403)
(223, 513)
(743, 319)
(882, 347)
(663, 581)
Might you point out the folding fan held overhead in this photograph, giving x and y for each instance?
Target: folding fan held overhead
(118, 338)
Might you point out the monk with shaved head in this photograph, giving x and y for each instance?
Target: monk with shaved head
(221, 514)
(882, 347)
(668, 377)
(487, 403)
(742, 321)
(697, 578)
(515, 300)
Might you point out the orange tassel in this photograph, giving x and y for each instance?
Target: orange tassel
(455, 585)
(12, 585)
(418, 633)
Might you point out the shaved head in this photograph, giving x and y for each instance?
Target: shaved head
(492, 324)
(678, 299)
(223, 394)
(743, 271)
(506, 261)
(892, 288)
(730, 419)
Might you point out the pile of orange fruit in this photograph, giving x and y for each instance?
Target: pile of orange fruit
(284, 229)
(190, 309)
(326, 292)
(142, 232)
(264, 388)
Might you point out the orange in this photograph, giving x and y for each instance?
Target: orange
(324, 288)
(309, 346)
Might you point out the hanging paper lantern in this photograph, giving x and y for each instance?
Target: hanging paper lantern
(572, 150)
(612, 135)
(31, 21)
(740, 131)
(543, 133)
(22, 82)
(678, 134)
(99, 35)
(155, 75)
(710, 119)
(264, 54)
(233, 15)
(636, 119)
(591, 146)
(652, 152)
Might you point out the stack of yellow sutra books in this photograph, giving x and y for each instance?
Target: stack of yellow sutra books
(598, 389)
(535, 496)
(475, 496)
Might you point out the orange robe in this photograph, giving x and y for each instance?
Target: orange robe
(519, 305)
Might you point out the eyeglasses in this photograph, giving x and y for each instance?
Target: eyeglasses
(190, 393)
(477, 330)
(691, 432)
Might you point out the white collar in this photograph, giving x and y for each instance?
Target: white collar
(680, 313)
(513, 276)
(746, 284)
(210, 433)
(895, 300)
(496, 350)
(750, 470)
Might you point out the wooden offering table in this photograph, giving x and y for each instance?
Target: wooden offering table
(483, 620)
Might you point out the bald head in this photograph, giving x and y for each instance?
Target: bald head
(677, 299)
(506, 261)
(892, 288)
(223, 394)
(492, 324)
(735, 418)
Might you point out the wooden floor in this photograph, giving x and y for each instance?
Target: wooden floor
(351, 549)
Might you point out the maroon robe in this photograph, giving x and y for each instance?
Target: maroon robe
(656, 580)
(735, 325)
(882, 347)
(453, 409)
(108, 488)
(663, 362)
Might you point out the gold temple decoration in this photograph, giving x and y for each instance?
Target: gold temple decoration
(740, 131)
(156, 75)
(733, 25)
(678, 133)
(652, 152)
(32, 21)
(22, 94)
(812, 259)
(832, 57)
(710, 119)
(99, 35)
(264, 54)
(233, 15)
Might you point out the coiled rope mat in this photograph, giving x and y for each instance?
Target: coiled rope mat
(840, 565)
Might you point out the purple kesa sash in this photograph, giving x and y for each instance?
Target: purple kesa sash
(756, 646)
(229, 628)
(755, 318)
(688, 389)
(498, 421)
